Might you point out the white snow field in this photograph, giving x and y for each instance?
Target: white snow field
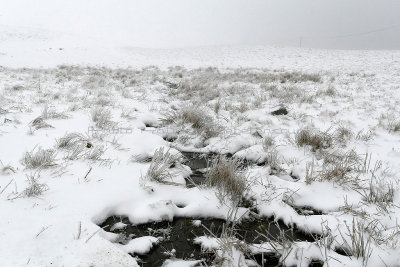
(81, 139)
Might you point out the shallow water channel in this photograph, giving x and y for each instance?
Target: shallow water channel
(178, 236)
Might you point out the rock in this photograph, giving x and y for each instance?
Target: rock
(280, 110)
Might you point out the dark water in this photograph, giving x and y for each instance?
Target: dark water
(178, 236)
(197, 163)
(180, 233)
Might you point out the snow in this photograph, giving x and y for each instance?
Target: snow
(118, 226)
(180, 263)
(140, 245)
(60, 226)
(207, 243)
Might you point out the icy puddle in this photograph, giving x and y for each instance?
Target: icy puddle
(177, 237)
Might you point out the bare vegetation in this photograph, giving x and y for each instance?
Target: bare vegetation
(101, 117)
(17, 87)
(39, 123)
(360, 241)
(71, 140)
(141, 158)
(365, 136)
(342, 134)
(6, 169)
(393, 126)
(161, 163)
(41, 158)
(34, 188)
(95, 153)
(273, 161)
(227, 176)
(51, 113)
(341, 167)
(314, 138)
(78, 146)
(196, 116)
(290, 94)
(330, 91)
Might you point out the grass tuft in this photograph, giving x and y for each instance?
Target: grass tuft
(101, 117)
(34, 188)
(71, 140)
(314, 138)
(95, 153)
(196, 116)
(161, 163)
(228, 177)
(393, 126)
(42, 158)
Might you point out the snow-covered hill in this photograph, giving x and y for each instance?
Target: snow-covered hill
(26, 47)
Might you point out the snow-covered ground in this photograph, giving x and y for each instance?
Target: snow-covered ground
(336, 151)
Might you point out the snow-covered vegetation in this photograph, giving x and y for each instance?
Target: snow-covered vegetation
(315, 149)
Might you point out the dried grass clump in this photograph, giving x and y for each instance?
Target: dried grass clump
(75, 152)
(380, 194)
(297, 77)
(200, 88)
(101, 117)
(161, 163)
(3, 111)
(78, 146)
(40, 123)
(94, 81)
(365, 136)
(196, 116)
(34, 188)
(71, 140)
(6, 169)
(49, 113)
(42, 158)
(330, 91)
(228, 177)
(342, 134)
(380, 191)
(342, 168)
(273, 161)
(393, 126)
(102, 100)
(17, 87)
(314, 138)
(340, 172)
(95, 153)
(141, 158)
(360, 241)
(290, 94)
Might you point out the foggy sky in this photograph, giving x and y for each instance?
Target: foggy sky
(182, 23)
